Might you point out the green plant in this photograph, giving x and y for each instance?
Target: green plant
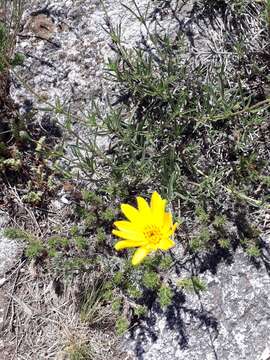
(134, 292)
(10, 163)
(91, 310)
(108, 215)
(140, 310)
(16, 234)
(91, 197)
(33, 197)
(151, 280)
(77, 351)
(219, 220)
(34, 249)
(201, 214)
(165, 296)
(90, 220)
(121, 325)
(101, 235)
(200, 241)
(119, 277)
(267, 13)
(192, 284)
(224, 243)
(253, 251)
(56, 244)
(81, 242)
(9, 27)
(165, 263)
(74, 230)
(117, 305)
(169, 100)
(76, 264)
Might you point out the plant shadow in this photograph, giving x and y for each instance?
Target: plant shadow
(177, 319)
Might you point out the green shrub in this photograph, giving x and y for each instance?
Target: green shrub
(121, 325)
(165, 296)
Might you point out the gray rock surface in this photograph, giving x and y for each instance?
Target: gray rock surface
(67, 62)
(231, 320)
(10, 250)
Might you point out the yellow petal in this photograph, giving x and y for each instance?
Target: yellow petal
(173, 228)
(155, 200)
(130, 212)
(124, 244)
(167, 220)
(166, 244)
(130, 235)
(157, 208)
(143, 207)
(126, 226)
(139, 255)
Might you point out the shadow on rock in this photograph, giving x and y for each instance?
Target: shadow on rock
(177, 318)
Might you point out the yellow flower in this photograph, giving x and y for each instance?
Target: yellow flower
(149, 227)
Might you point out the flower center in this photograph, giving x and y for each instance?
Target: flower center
(152, 234)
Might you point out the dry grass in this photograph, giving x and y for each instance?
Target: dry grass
(39, 324)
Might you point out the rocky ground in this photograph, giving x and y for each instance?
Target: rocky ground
(66, 46)
(229, 321)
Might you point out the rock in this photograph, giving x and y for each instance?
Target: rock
(230, 321)
(10, 250)
(41, 26)
(266, 354)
